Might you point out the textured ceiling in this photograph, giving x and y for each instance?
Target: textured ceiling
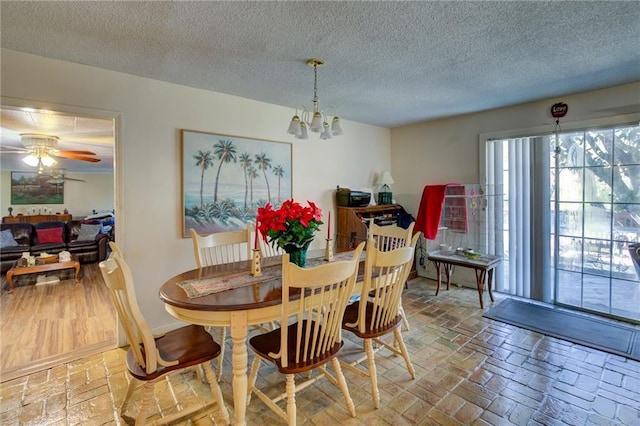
(387, 63)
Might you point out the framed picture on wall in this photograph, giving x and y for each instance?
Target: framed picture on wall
(226, 178)
(34, 188)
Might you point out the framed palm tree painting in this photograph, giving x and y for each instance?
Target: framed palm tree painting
(226, 178)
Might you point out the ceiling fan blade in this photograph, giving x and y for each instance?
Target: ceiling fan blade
(76, 152)
(74, 179)
(76, 157)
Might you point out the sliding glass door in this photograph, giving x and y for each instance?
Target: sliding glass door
(578, 258)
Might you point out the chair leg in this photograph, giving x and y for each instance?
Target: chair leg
(222, 336)
(291, 400)
(403, 349)
(373, 373)
(343, 386)
(147, 396)
(215, 390)
(405, 321)
(132, 386)
(252, 377)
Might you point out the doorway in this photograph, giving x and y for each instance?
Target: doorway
(65, 321)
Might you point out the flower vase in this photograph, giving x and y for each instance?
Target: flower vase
(297, 254)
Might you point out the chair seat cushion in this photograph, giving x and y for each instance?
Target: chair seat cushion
(351, 317)
(265, 343)
(190, 345)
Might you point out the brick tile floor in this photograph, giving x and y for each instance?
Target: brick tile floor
(469, 371)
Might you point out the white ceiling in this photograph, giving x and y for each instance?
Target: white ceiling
(387, 63)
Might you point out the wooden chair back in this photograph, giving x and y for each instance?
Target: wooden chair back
(267, 250)
(325, 291)
(221, 247)
(390, 237)
(385, 275)
(115, 250)
(117, 276)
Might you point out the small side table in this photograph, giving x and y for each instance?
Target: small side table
(483, 267)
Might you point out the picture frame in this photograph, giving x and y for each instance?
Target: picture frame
(34, 188)
(226, 178)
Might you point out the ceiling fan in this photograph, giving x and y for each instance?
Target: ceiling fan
(57, 176)
(41, 149)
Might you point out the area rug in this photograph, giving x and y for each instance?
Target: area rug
(587, 330)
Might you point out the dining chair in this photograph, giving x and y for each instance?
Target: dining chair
(218, 249)
(115, 250)
(377, 312)
(267, 250)
(311, 333)
(388, 238)
(150, 358)
(221, 247)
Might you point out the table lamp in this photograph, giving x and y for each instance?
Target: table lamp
(384, 195)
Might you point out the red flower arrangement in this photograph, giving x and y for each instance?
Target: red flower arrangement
(290, 227)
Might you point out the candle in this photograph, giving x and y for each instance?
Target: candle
(329, 226)
(255, 243)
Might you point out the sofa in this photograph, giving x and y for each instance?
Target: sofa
(86, 241)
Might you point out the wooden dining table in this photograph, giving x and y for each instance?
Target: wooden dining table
(236, 308)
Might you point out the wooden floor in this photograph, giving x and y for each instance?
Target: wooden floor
(43, 325)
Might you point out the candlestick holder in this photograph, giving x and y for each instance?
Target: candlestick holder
(256, 267)
(328, 251)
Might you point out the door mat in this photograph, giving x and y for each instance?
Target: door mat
(587, 330)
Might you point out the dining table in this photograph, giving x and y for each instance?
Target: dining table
(228, 295)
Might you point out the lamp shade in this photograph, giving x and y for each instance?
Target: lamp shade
(31, 160)
(385, 179)
(47, 161)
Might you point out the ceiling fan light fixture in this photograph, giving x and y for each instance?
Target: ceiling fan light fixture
(31, 160)
(48, 161)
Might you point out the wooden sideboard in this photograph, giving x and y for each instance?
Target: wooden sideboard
(351, 227)
(36, 218)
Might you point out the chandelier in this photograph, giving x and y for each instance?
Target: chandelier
(300, 124)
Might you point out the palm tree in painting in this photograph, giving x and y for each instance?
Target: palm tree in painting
(264, 163)
(253, 174)
(226, 152)
(245, 162)
(279, 172)
(204, 160)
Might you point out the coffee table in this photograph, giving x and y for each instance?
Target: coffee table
(45, 267)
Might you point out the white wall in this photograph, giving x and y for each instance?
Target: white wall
(152, 113)
(80, 198)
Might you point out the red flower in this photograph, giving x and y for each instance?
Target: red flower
(290, 224)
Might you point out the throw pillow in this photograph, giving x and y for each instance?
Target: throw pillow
(49, 235)
(6, 239)
(88, 232)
